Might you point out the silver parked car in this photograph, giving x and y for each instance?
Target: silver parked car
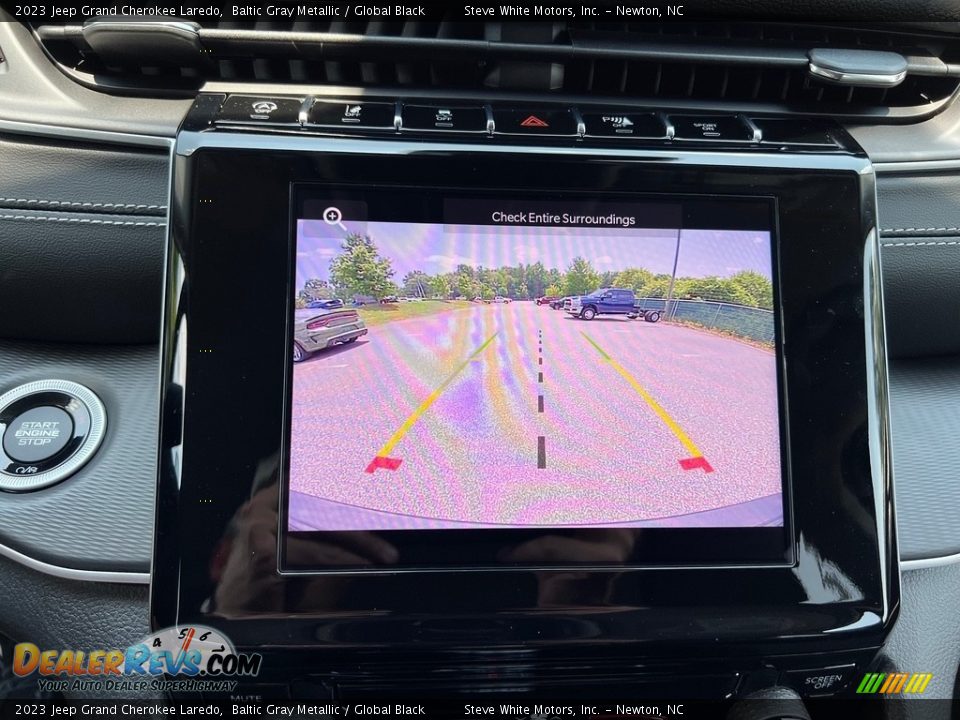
(315, 330)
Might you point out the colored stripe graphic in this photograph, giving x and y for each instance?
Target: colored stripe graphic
(382, 459)
(893, 683)
(697, 460)
(871, 683)
(918, 682)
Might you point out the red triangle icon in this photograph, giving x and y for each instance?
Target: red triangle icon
(534, 121)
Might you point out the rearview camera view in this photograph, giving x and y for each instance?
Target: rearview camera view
(531, 364)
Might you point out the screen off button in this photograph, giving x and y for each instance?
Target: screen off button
(38, 434)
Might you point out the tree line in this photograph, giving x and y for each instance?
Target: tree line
(361, 271)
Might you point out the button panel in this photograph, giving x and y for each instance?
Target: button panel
(550, 122)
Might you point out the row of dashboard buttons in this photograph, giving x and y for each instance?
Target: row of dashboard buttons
(486, 119)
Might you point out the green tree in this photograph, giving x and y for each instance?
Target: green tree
(501, 282)
(536, 280)
(441, 285)
(416, 283)
(465, 282)
(360, 269)
(633, 279)
(713, 288)
(554, 277)
(758, 288)
(553, 291)
(315, 289)
(581, 278)
(657, 287)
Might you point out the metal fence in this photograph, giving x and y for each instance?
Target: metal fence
(748, 322)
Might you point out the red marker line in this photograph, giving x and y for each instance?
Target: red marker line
(696, 463)
(386, 463)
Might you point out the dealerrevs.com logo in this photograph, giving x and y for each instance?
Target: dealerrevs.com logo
(187, 659)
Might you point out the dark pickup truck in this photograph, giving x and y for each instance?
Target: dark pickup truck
(608, 301)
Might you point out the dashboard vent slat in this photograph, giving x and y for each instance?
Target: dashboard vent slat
(742, 66)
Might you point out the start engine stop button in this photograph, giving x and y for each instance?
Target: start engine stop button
(38, 434)
(49, 429)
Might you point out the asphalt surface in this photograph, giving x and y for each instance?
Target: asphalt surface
(522, 415)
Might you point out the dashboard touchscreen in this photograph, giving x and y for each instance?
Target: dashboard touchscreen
(478, 362)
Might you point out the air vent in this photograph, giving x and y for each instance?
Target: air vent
(744, 66)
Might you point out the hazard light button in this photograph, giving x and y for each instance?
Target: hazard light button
(534, 122)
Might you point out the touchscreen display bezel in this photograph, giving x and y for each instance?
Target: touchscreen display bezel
(479, 549)
(224, 357)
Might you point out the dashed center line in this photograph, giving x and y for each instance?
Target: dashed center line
(541, 439)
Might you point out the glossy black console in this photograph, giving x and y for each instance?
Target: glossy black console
(828, 602)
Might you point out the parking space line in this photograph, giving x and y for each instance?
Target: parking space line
(697, 460)
(382, 459)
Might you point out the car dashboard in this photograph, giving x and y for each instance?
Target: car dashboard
(454, 358)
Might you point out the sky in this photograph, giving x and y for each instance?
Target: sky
(437, 248)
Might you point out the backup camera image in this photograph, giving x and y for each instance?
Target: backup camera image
(541, 368)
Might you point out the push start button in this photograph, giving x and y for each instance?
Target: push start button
(38, 434)
(49, 430)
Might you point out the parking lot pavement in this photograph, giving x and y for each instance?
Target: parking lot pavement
(519, 414)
